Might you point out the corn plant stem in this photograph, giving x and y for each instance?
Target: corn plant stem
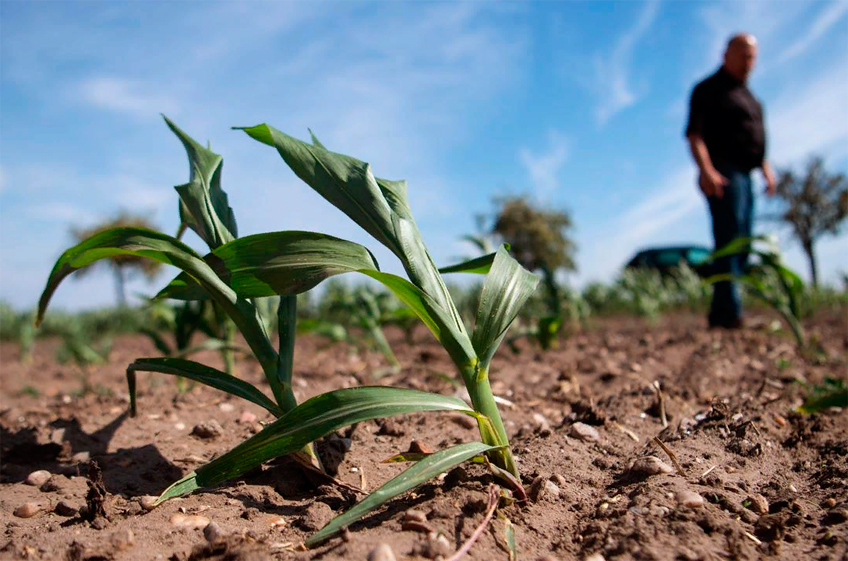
(787, 315)
(245, 316)
(287, 330)
(286, 320)
(228, 352)
(483, 401)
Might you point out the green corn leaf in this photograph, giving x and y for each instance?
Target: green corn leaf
(505, 291)
(833, 392)
(287, 263)
(123, 241)
(752, 281)
(199, 373)
(509, 535)
(158, 341)
(379, 206)
(184, 288)
(738, 245)
(211, 344)
(431, 313)
(429, 467)
(315, 141)
(480, 265)
(406, 457)
(345, 182)
(309, 421)
(273, 263)
(203, 204)
(333, 331)
(166, 249)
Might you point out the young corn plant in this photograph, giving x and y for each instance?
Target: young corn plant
(783, 295)
(205, 209)
(343, 307)
(288, 263)
(182, 322)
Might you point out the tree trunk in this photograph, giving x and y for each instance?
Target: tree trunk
(811, 257)
(120, 286)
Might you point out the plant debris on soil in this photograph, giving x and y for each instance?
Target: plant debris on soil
(635, 440)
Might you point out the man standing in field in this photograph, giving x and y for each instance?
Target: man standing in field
(727, 138)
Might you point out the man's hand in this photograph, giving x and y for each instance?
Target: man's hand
(771, 182)
(712, 183)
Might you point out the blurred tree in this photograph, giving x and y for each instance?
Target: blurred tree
(538, 237)
(122, 266)
(813, 205)
(540, 241)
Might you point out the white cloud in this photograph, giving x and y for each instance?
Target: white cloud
(658, 219)
(121, 95)
(613, 80)
(826, 19)
(544, 168)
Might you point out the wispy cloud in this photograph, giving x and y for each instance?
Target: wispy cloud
(826, 18)
(544, 168)
(676, 196)
(613, 72)
(655, 220)
(121, 95)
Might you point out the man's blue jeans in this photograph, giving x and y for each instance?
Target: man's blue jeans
(732, 216)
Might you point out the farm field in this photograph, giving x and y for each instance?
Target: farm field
(747, 477)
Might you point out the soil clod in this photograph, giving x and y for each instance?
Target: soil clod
(648, 466)
(316, 517)
(212, 532)
(584, 432)
(63, 508)
(208, 430)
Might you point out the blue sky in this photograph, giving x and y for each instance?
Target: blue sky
(580, 104)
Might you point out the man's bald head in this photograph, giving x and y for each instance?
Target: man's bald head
(740, 56)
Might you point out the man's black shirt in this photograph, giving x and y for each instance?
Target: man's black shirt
(725, 113)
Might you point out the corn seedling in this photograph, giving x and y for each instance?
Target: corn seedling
(239, 270)
(182, 321)
(769, 280)
(204, 208)
(18, 326)
(833, 392)
(84, 349)
(360, 307)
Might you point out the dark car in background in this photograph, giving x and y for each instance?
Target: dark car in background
(665, 259)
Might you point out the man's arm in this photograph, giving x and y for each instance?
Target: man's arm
(710, 180)
(771, 179)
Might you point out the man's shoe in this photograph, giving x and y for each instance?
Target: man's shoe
(737, 323)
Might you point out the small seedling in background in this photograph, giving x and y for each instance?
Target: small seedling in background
(833, 392)
(182, 322)
(30, 391)
(769, 280)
